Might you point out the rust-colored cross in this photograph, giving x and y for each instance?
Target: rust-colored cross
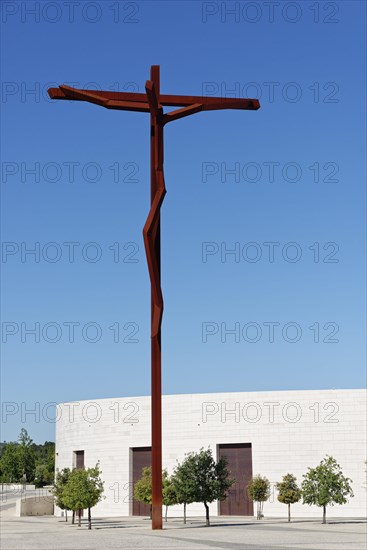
(152, 102)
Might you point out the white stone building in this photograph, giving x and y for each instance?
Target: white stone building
(269, 433)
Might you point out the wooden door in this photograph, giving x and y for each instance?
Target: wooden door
(239, 458)
(141, 458)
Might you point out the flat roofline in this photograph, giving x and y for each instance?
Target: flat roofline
(216, 394)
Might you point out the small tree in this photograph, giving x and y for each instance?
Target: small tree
(326, 485)
(169, 497)
(83, 490)
(258, 490)
(58, 490)
(289, 492)
(143, 488)
(184, 483)
(208, 479)
(27, 455)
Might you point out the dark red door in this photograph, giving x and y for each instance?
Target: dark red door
(141, 458)
(79, 460)
(239, 458)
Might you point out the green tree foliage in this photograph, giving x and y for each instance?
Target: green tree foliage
(198, 479)
(169, 497)
(258, 490)
(326, 485)
(42, 475)
(289, 492)
(10, 464)
(61, 480)
(83, 490)
(143, 487)
(25, 461)
(184, 483)
(27, 455)
(208, 480)
(45, 464)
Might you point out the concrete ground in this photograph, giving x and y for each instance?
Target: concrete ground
(50, 533)
(225, 533)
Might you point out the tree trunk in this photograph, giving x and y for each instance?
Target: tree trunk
(324, 514)
(289, 512)
(89, 519)
(79, 518)
(258, 516)
(73, 518)
(66, 515)
(207, 520)
(150, 512)
(165, 516)
(184, 512)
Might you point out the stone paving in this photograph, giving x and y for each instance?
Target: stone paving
(50, 533)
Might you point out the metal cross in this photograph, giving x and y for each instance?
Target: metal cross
(152, 102)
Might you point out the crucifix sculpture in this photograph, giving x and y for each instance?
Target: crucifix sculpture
(153, 102)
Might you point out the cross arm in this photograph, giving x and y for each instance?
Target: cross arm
(97, 99)
(209, 103)
(197, 107)
(180, 113)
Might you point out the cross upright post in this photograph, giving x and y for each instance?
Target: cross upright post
(153, 241)
(152, 102)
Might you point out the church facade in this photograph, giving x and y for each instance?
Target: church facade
(269, 433)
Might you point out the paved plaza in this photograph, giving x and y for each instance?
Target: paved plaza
(50, 533)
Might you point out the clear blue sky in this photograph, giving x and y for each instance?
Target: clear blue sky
(298, 177)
